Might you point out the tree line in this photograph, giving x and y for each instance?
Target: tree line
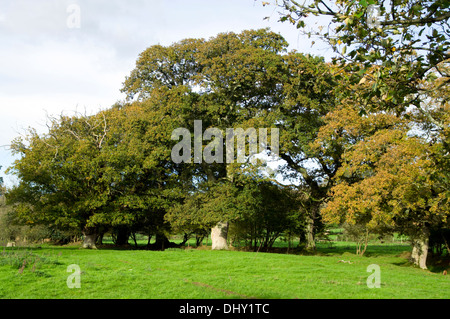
(365, 136)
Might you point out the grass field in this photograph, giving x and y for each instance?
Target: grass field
(106, 273)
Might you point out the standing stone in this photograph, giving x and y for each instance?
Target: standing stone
(219, 235)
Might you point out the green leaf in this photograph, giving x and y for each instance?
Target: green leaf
(435, 33)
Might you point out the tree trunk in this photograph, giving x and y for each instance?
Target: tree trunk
(100, 238)
(186, 238)
(133, 236)
(122, 234)
(219, 234)
(162, 243)
(100, 234)
(90, 237)
(362, 243)
(199, 240)
(420, 248)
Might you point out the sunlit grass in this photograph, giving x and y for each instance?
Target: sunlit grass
(177, 273)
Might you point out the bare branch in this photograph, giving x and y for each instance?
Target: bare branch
(328, 8)
(105, 130)
(73, 133)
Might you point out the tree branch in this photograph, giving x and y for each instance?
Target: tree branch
(295, 166)
(430, 118)
(417, 21)
(309, 10)
(328, 8)
(73, 133)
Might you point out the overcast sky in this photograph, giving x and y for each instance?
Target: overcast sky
(67, 55)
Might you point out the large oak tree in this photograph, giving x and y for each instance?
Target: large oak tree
(232, 81)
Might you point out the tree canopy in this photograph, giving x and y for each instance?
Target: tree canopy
(114, 168)
(392, 61)
(365, 136)
(409, 43)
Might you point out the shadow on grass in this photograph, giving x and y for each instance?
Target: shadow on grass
(151, 247)
(385, 250)
(439, 264)
(373, 250)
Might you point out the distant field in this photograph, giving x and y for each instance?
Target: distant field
(335, 272)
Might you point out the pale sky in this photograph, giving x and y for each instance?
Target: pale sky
(52, 62)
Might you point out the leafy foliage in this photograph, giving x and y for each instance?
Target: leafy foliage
(394, 65)
(409, 42)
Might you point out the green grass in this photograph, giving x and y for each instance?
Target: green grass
(190, 274)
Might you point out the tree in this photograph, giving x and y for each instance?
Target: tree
(309, 95)
(63, 181)
(232, 80)
(89, 172)
(257, 207)
(398, 63)
(394, 61)
(245, 80)
(386, 182)
(114, 169)
(406, 39)
(205, 207)
(267, 211)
